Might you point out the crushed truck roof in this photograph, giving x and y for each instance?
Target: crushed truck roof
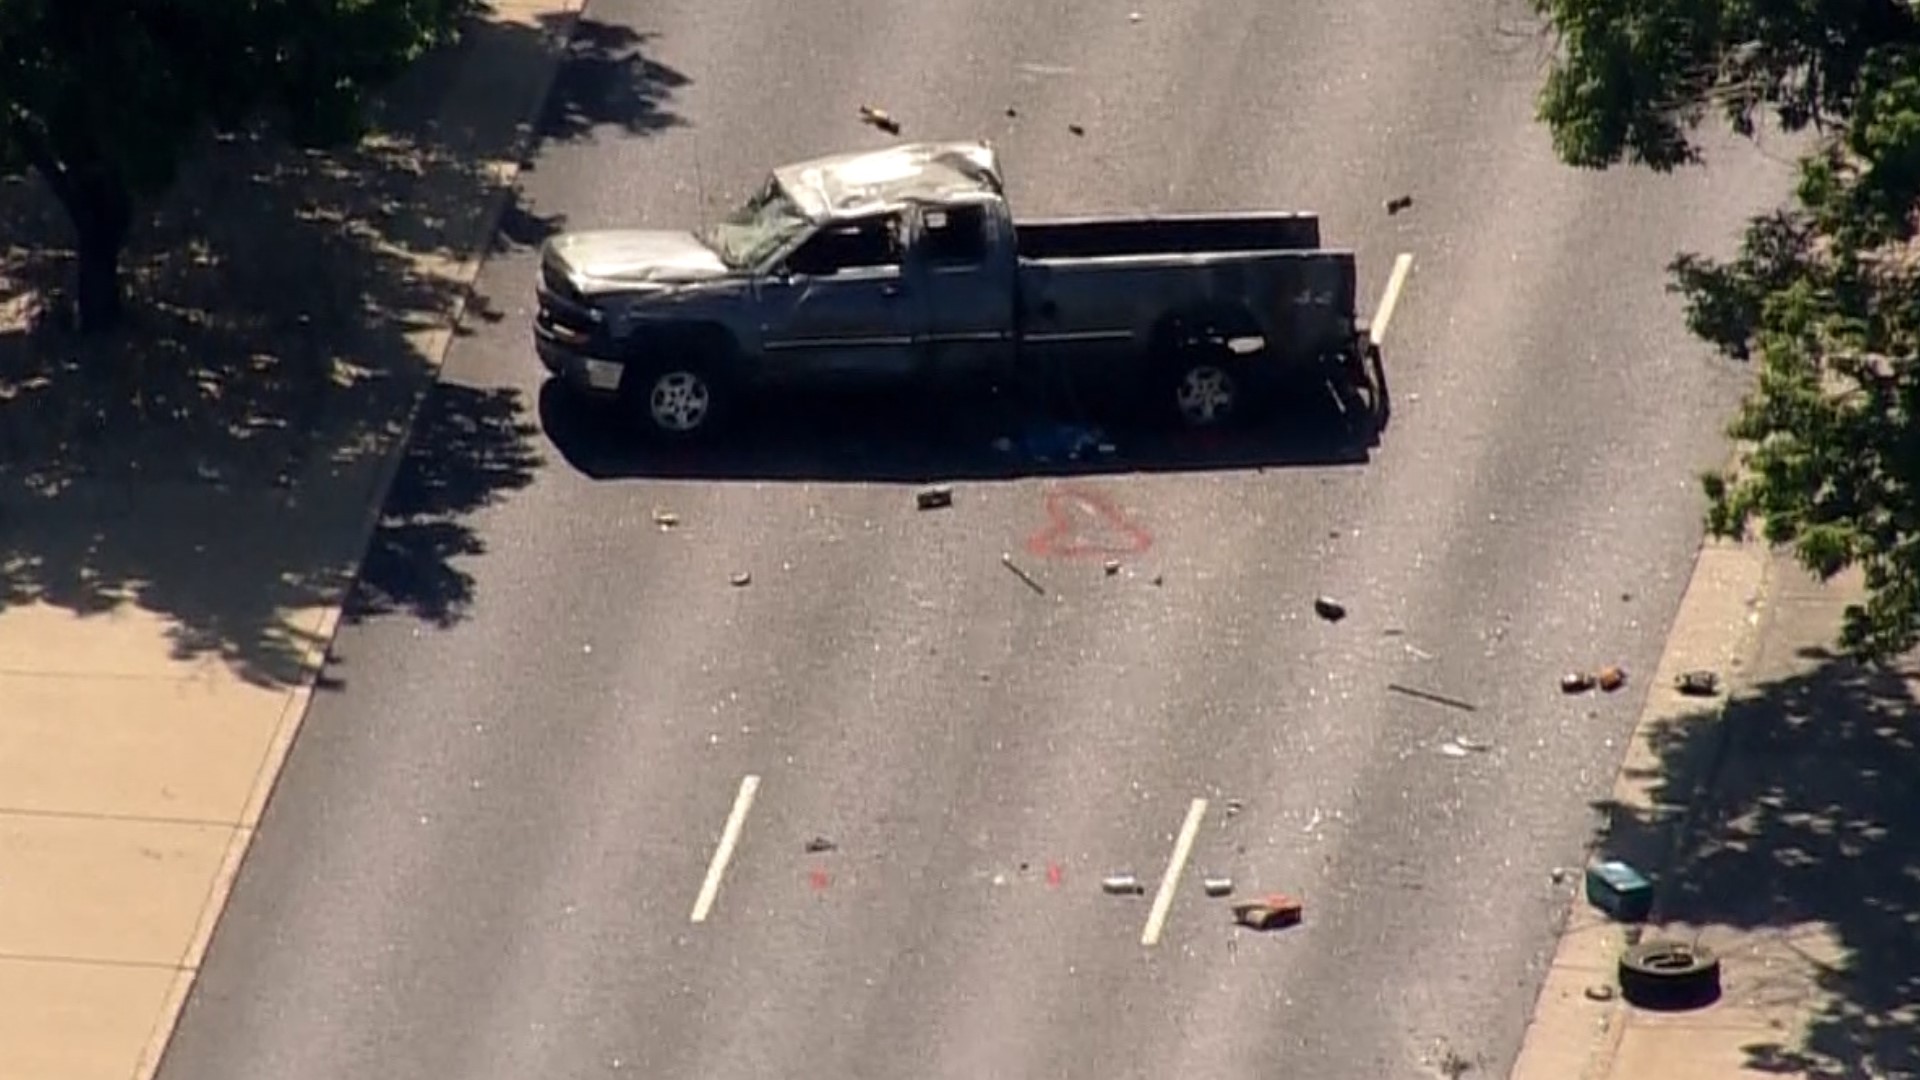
(851, 184)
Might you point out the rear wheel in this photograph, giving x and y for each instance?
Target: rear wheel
(1201, 386)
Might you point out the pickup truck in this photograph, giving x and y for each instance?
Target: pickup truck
(904, 266)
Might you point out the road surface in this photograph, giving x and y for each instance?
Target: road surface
(493, 854)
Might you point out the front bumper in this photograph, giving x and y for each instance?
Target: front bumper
(573, 362)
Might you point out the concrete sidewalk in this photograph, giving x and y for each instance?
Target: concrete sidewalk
(1783, 831)
(177, 535)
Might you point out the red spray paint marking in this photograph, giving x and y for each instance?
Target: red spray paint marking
(1054, 875)
(818, 879)
(1083, 523)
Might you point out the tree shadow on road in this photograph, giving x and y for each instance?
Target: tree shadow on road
(1809, 833)
(214, 461)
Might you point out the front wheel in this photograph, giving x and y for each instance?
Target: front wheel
(676, 401)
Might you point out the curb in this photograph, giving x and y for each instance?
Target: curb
(1719, 627)
(464, 275)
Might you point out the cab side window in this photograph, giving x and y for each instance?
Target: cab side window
(955, 236)
(867, 244)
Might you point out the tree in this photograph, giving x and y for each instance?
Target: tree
(104, 97)
(1824, 292)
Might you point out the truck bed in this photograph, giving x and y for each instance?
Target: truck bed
(1117, 237)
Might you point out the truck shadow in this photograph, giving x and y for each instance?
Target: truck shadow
(896, 439)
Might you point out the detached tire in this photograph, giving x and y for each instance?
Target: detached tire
(681, 396)
(1669, 975)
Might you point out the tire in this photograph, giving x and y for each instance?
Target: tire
(1669, 975)
(680, 398)
(1202, 386)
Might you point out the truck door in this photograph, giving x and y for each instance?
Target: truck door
(842, 309)
(964, 253)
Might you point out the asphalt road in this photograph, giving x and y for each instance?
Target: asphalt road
(485, 854)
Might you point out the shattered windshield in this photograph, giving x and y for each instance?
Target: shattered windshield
(746, 237)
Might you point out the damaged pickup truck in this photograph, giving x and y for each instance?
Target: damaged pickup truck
(904, 266)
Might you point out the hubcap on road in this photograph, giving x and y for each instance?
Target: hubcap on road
(680, 401)
(1205, 394)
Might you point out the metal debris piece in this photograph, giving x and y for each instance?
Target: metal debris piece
(1218, 886)
(1600, 992)
(934, 498)
(1394, 206)
(1453, 749)
(1122, 885)
(880, 118)
(1133, 16)
(1697, 683)
(1006, 560)
(1112, 567)
(1234, 806)
(1076, 129)
(1271, 912)
(1329, 609)
(1610, 678)
(1576, 682)
(664, 518)
(1437, 699)
(742, 579)
(820, 844)
(1471, 745)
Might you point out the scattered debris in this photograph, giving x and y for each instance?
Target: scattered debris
(664, 518)
(1416, 651)
(821, 844)
(1697, 683)
(880, 118)
(1600, 992)
(934, 498)
(1453, 1065)
(1611, 678)
(1576, 682)
(1076, 129)
(1112, 567)
(1558, 874)
(1122, 885)
(1621, 891)
(1461, 746)
(1218, 886)
(1234, 806)
(1394, 206)
(1159, 579)
(1133, 16)
(742, 579)
(1271, 912)
(1453, 749)
(1669, 975)
(1437, 699)
(1329, 609)
(1012, 113)
(1006, 560)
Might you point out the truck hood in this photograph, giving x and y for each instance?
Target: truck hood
(637, 257)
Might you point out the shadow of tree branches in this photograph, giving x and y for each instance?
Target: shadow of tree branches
(213, 461)
(1805, 837)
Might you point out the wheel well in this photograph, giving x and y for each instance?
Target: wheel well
(1219, 324)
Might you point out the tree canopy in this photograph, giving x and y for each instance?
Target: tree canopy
(1824, 292)
(104, 97)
